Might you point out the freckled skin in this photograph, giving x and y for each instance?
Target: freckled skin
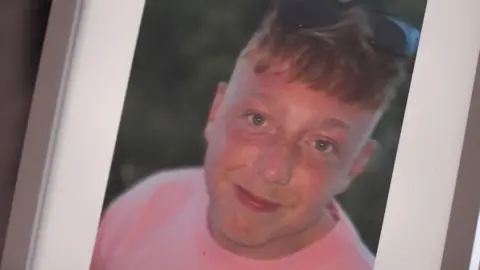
(285, 143)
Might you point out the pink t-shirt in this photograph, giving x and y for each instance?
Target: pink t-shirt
(161, 224)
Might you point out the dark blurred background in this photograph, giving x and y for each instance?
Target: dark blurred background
(184, 49)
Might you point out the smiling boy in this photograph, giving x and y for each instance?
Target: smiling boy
(289, 132)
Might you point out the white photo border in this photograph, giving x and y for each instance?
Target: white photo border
(475, 258)
(70, 139)
(460, 240)
(429, 166)
(69, 147)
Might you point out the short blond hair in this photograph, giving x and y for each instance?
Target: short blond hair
(338, 59)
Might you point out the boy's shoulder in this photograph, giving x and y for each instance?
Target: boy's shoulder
(176, 182)
(150, 204)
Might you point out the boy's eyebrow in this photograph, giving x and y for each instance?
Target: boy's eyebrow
(329, 122)
(260, 96)
(332, 122)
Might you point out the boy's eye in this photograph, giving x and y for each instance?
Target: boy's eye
(256, 119)
(324, 146)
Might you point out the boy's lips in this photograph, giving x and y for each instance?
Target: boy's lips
(254, 202)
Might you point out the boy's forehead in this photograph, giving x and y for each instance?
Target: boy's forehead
(248, 77)
(272, 85)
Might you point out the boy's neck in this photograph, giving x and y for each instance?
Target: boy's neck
(280, 247)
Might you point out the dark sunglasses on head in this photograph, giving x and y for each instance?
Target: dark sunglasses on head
(389, 33)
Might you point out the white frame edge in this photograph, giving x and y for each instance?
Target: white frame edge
(422, 192)
(475, 258)
(459, 248)
(73, 125)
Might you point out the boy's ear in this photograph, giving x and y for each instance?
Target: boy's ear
(358, 166)
(365, 155)
(217, 102)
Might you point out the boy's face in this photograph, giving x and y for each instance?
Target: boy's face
(277, 154)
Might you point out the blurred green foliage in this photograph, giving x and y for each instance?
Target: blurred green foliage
(184, 49)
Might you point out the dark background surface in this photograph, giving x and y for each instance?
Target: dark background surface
(184, 49)
(22, 29)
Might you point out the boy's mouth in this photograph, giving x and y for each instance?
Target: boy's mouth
(254, 202)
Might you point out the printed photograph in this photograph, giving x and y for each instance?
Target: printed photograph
(259, 135)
